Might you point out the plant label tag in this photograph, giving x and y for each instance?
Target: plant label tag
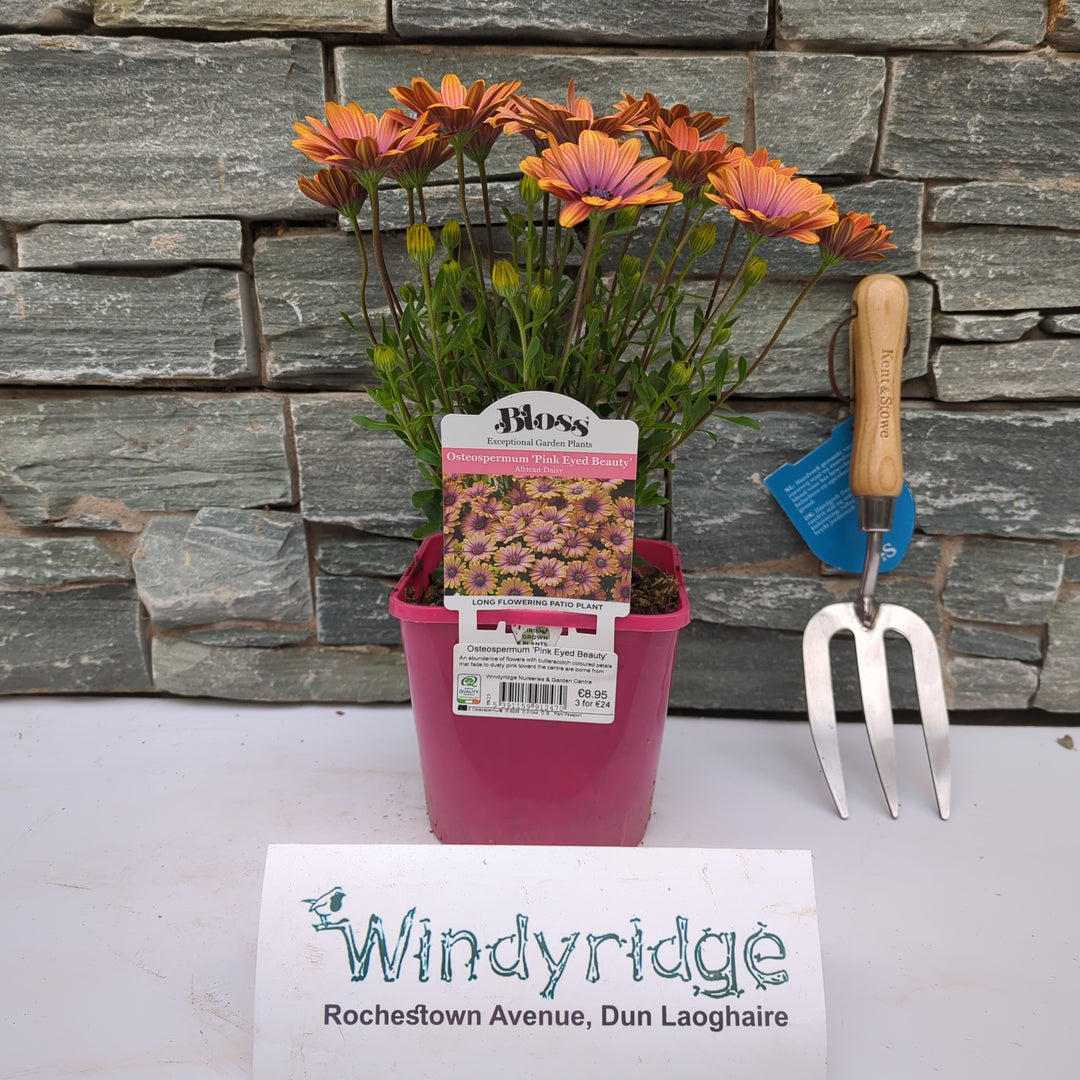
(432, 961)
(564, 681)
(538, 535)
(815, 493)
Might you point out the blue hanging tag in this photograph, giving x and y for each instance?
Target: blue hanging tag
(815, 493)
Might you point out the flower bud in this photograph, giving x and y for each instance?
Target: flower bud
(530, 190)
(408, 293)
(540, 300)
(385, 358)
(754, 273)
(626, 217)
(703, 239)
(681, 372)
(505, 279)
(420, 244)
(629, 267)
(451, 273)
(451, 236)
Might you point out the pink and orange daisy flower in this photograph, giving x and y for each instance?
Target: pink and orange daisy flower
(854, 238)
(336, 189)
(598, 174)
(769, 199)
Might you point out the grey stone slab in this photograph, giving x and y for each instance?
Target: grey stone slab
(995, 642)
(48, 15)
(152, 127)
(780, 601)
(837, 100)
(224, 564)
(926, 24)
(724, 514)
(988, 203)
(364, 556)
(256, 16)
(970, 327)
(1004, 581)
(85, 639)
(718, 83)
(975, 683)
(989, 472)
(724, 23)
(304, 281)
(969, 117)
(997, 268)
(1065, 32)
(248, 638)
(155, 242)
(798, 363)
(42, 561)
(354, 611)
(1047, 369)
(105, 460)
(361, 674)
(97, 328)
(1059, 684)
(741, 669)
(1061, 324)
(8, 258)
(1072, 567)
(895, 203)
(349, 475)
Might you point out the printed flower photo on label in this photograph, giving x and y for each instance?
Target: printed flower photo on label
(538, 536)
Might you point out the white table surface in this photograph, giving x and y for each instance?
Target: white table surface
(133, 833)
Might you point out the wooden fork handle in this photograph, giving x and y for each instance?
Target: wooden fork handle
(880, 309)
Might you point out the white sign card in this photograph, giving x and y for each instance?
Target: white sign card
(433, 963)
(538, 515)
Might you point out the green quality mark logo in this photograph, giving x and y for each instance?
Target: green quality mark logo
(709, 962)
(468, 689)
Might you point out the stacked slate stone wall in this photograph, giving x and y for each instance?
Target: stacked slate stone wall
(185, 504)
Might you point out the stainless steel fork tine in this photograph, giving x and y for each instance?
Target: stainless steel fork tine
(931, 691)
(877, 708)
(820, 705)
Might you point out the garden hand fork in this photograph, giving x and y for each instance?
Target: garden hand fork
(879, 310)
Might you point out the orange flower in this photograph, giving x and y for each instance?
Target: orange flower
(546, 124)
(467, 115)
(854, 238)
(335, 188)
(692, 157)
(597, 173)
(650, 112)
(769, 200)
(413, 166)
(365, 144)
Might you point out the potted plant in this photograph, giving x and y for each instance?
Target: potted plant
(599, 284)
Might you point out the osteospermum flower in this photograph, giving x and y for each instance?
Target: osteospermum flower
(604, 562)
(617, 537)
(361, 143)
(581, 576)
(624, 510)
(453, 568)
(649, 112)
(481, 489)
(468, 115)
(692, 157)
(548, 572)
(769, 199)
(514, 586)
(336, 189)
(575, 544)
(577, 489)
(514, 559)
(598, 174)
(476, 547)
(854, 238)
(546, 124)
(479, 580)
(594, 507)
(543, 536)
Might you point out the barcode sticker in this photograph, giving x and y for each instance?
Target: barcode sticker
(563, 681)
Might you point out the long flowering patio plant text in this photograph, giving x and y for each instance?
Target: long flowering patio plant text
(579, 288)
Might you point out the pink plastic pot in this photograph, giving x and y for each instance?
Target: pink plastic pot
(499, 780)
